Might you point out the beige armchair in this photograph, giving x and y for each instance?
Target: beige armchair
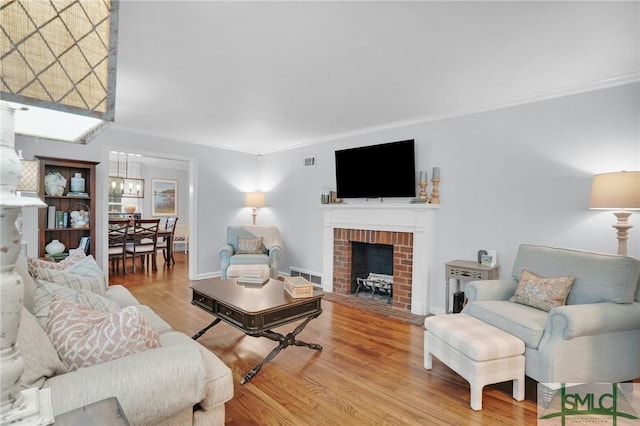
(594, 337)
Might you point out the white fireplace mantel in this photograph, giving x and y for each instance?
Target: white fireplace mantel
(417, 219)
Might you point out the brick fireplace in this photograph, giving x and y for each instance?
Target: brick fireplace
(402, 243)
(408, 227)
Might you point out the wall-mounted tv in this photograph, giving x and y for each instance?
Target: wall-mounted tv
(376, 171)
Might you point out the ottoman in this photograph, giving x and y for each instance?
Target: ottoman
(235, 271)
(477, 351)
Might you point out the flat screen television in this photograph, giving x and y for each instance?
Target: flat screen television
(376, 171)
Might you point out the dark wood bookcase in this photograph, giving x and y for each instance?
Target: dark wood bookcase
(69, 236)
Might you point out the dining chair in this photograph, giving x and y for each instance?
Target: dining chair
(165, 241)
(142, 242)
(117, 232)
(181, 236)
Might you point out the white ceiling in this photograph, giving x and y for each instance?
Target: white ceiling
(265, 76)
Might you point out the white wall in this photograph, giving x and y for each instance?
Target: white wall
(509, 176)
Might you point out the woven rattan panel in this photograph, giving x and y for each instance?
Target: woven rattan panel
(56, 51)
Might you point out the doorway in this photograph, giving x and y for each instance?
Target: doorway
(130, 178)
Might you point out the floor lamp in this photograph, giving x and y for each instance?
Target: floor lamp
(619, 191)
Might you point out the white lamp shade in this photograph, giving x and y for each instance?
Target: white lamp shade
(616, 191)
(254, 199)
(61, 62)
(29, 180)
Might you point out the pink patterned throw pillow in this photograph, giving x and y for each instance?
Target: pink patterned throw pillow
(542, 293)
(74, 257)
(83, 337)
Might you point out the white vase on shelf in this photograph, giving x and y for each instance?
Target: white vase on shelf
(77, 183)
(54, 247)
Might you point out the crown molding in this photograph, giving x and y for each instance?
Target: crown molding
(507, 103)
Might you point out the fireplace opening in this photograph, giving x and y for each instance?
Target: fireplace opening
(400, 244)
(372, 269)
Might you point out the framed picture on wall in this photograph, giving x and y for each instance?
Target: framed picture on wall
(165, 197)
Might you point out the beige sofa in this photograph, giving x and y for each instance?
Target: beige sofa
(179, 383)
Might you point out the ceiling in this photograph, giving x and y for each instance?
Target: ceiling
(265, 76)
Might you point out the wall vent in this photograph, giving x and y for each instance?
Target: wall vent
(312, 278)
(309, 161)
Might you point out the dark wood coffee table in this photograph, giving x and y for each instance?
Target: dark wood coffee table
(255, 310)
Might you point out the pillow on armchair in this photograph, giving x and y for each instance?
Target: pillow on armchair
(542, 293)
(250, 246)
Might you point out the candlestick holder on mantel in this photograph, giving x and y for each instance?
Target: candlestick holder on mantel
(435, 194)
(422, 196)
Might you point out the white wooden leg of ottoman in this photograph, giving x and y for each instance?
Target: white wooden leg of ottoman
(476, 395)
(518, 386)
(482, 373)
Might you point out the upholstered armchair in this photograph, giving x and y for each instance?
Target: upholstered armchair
(590, 335)
(251, 245)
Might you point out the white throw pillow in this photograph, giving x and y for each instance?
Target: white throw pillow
(84, 275)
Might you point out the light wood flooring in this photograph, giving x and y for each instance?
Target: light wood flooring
(370, 370)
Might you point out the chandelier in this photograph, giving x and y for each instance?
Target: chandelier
(125, 187)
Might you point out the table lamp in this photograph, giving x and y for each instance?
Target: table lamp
(29, 180)
(59, 59)
(618, 191)
(16, 404)
(255, 200)
(60, 67)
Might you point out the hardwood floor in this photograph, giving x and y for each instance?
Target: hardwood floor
(370, 370)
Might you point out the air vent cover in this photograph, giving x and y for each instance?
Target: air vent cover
(309, 161)
(313, 279)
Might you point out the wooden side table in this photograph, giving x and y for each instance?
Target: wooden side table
(467, 270)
